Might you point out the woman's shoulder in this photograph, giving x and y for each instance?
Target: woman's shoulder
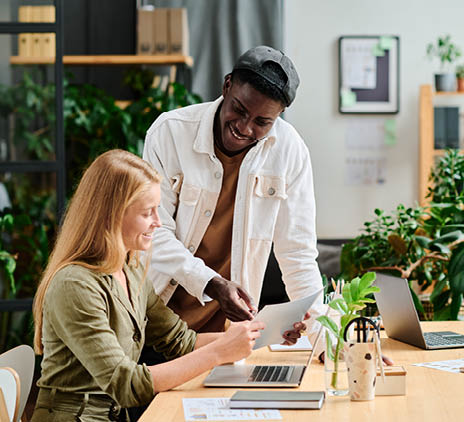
(75, 276)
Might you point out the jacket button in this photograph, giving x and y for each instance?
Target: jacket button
(191, 248)
(271, 191)
(136, 337)
(208, 213)
(217, 175)
(173, 282)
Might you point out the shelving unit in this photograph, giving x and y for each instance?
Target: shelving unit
(175, 61)
(427, 151)
(116, 60)
(58, 165)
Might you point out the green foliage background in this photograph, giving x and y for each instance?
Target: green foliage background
(94, 123)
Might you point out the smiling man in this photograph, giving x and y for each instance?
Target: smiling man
(236, 179)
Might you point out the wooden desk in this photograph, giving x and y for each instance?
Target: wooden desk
(431, 395)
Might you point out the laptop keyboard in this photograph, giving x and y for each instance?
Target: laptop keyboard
(270, 374)
(443, 339)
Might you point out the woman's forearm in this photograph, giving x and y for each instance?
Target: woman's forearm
(211, 349)
(206, 338)
(173, 373)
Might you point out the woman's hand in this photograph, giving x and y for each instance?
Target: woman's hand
(291, 336)
(238, 341)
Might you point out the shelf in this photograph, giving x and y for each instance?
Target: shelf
(448, 93)
(427, 151)
(107, 60)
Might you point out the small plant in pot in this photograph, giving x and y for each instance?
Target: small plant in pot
(447, 52)
(460, 77)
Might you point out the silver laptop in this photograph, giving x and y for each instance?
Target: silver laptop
(400, 319)
(259, 375)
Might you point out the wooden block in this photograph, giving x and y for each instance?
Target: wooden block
(24, 40)
(145, 32)
(36, 16)
(161, 31)
(47, 41)
(178, 31)
(395, 382)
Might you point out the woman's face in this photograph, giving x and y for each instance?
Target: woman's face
(141, 219)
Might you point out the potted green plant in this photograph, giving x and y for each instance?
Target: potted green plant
(423, 245)
(447, 52)
(354, 297)
(460, 77)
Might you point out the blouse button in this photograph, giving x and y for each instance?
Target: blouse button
(271, 191)
(217, 175)
(173, 282)
(191, 248)
(136, 337)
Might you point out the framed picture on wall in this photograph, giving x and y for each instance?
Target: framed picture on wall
(369, 74)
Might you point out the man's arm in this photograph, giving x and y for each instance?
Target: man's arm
(295, 235)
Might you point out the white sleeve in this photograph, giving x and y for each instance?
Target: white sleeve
(295, 235)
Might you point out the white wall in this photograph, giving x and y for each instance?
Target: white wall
(311, 29)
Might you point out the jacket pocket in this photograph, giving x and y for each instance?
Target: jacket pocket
(267, 197)
(270, 187)
(189, 199)
(189, 194)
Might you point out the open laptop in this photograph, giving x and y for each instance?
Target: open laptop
(259, 375)
(400, 319)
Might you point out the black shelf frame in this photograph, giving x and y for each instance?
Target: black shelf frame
(59, 165)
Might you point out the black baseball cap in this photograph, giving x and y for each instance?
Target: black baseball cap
(256, 60)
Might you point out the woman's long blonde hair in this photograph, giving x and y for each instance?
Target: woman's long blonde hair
(91, 233)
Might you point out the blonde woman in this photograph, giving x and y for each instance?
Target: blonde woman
(93, 311)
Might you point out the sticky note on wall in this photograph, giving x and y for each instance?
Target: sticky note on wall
(390, 132)
(386, 43)
(348, 97)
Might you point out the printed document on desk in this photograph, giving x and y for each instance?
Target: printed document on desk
(281, 317)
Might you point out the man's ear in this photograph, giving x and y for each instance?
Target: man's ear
(227, 84)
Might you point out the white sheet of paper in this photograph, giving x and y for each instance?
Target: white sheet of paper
(281, 317)
(217, 409)
(359, 64)
(444, 365)
(302, 344)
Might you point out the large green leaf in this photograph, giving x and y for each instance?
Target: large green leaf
(449, 237)
(346, 293)
(455, 305)
(339, 305)
(328, 323)
(456, 270)
(423, 241)
(366, 280)
(354, 288)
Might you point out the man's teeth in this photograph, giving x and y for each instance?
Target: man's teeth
(237, 135)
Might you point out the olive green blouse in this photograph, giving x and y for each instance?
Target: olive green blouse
(93, 334)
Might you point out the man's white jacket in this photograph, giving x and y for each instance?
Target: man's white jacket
(274, 203)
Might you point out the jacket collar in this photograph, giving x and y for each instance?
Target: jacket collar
(204, 141)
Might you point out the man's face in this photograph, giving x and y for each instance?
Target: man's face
(246, 115)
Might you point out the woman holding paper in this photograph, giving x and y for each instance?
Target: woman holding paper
(93, 310)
